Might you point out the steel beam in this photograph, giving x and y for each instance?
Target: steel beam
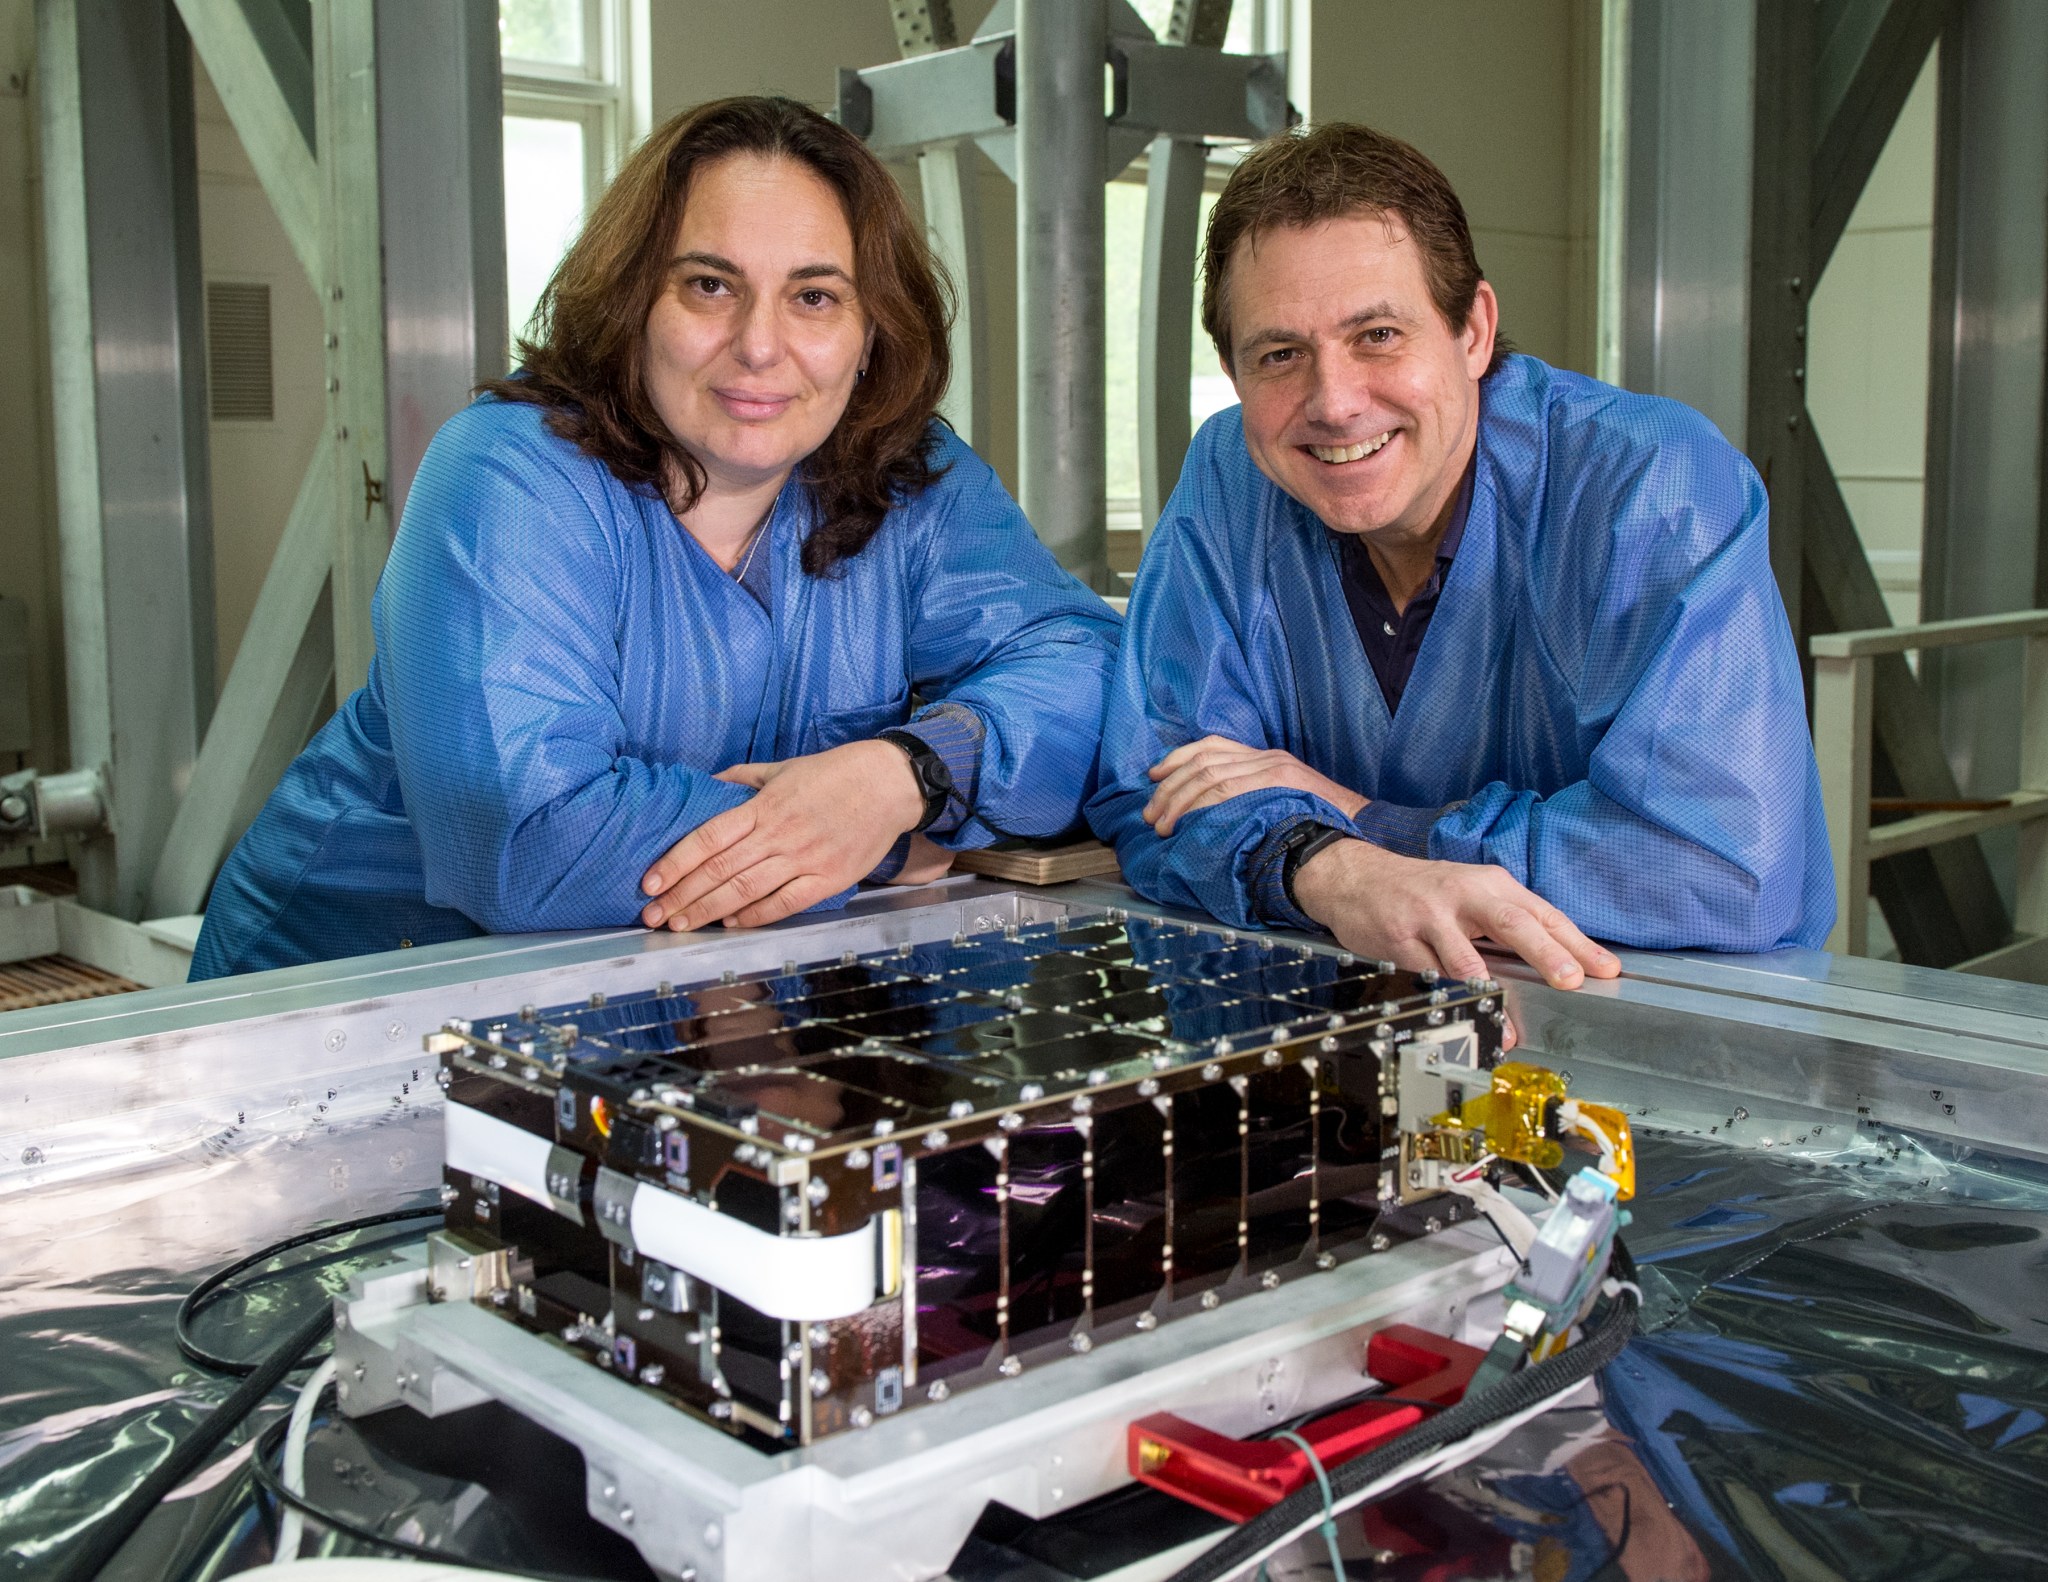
(345, 86)
(266, 109)
(287, 652)
(1689, 152)
(1941, 905)
(951, 188)
(1166, 308)
(1983, 549)
(1166, 302)
(1061, 149)
(443, 219)
(120, 192)
(1781, 276)
(1868, 54)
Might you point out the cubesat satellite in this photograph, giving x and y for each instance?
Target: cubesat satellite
(786, 1211)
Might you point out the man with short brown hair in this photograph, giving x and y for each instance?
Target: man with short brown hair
(1436, 643)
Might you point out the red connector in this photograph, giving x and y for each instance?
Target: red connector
(1238, 1478)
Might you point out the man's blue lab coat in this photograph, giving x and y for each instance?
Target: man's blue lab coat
(561, 669)
(1607, 704)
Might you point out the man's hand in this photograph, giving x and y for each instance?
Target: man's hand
(1426, 914)
(1215, 769)
(818, 824)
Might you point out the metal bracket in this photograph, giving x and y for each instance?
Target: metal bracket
(37, 807)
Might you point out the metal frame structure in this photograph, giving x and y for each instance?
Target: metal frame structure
(330, 100)
(1844, 683)
(1011, 89)
(1791, 1050)
(121, 223)
(1987, 514)
(1752, 127)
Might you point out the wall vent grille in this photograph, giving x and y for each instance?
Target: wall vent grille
(238, 370)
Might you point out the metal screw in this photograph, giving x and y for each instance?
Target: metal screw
(857, 1160)
(1148, 1087)
(1080, 1343)
(31, 1156)
(336, 1039)
(936, 1139)
(1148, 1321)
(863, 1418)
(1212, 1072)
(1010, 1367)
(13, 808)
(1210, 1299)
(1326, 1260)
(1432, 1224)
(821, 1383)
(1270, 1280)
(1381, 1241)
(817, 1191)
(939, 1390)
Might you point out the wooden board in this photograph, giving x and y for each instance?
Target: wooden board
(53, 980)
(1023, 863)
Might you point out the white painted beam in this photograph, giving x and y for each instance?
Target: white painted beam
(263, 120)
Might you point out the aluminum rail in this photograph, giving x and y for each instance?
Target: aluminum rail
(1836, 1039)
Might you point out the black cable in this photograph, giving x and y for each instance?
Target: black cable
(1518, 1392)
(204, 1293)
(267, 1444)
(103, 1540)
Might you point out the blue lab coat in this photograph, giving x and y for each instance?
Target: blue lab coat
(561, 669)
(1607, 704)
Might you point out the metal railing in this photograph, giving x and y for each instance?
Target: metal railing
(1844, 673)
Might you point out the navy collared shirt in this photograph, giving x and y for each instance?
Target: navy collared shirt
(1392, 640)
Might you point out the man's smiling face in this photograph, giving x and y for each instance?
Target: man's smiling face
(1359, 400)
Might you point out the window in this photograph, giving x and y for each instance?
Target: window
(565, 130)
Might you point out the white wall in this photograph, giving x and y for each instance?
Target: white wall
(1504, 96)
(1866, 372)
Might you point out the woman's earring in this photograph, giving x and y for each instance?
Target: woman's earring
(860, 375)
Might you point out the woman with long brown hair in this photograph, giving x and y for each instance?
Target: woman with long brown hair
(703, 615)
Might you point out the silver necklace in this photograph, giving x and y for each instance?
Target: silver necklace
(739, 573)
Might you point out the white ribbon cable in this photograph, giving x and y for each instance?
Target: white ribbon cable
(482, 1145)
(793, 1277)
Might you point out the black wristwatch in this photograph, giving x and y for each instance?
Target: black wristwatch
(934, 779)
(1301, 843)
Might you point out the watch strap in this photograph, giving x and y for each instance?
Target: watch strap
(934, 779)
(1304, 841)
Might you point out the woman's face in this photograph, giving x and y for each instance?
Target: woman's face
(753, 348)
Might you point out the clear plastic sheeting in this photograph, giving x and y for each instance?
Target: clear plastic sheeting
(1843, 1374)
